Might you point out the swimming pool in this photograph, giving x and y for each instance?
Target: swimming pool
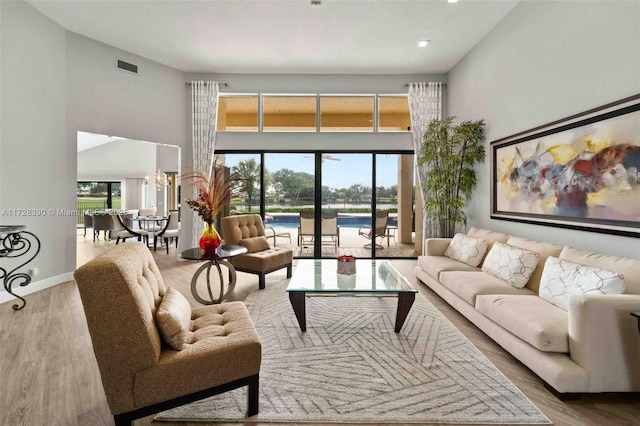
(344, 220)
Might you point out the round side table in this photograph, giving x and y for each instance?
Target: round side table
(215, 258)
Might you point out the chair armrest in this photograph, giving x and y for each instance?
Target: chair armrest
(436, 246)
(365, 230)
(604, 340)
(273, 233)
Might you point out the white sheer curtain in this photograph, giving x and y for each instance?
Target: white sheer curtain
(425, 104)
(204, 113)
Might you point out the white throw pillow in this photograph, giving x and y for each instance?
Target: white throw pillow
(562, 279)
(466, 249)
(511, 264)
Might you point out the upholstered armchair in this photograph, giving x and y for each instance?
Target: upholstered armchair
(153, 350)
(248, 230)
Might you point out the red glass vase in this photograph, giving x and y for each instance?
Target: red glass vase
(210, 239)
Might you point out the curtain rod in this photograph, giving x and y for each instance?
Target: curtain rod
(188, 83)
(442, 84)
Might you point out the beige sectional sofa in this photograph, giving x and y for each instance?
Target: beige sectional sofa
(592, 346)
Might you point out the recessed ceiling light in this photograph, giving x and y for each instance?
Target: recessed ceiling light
(453, 1)
(423, 43)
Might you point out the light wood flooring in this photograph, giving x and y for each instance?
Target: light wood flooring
(49, 375)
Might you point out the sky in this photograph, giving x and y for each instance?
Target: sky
(349, 170)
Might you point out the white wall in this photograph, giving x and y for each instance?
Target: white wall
(54, 84)
(543, 62)
(151, 106)
(36, 172)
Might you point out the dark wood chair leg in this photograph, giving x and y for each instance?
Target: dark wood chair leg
(289, 270)
(253, 395)
(122, 420)
(261, 280)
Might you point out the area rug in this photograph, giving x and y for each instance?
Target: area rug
(350, 366)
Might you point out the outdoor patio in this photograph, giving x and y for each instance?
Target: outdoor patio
(350, 243)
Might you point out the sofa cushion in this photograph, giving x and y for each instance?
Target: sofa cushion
(513, 265)
(532, 319)
(629, 268)
(490, 236)
(434, 265)
(173, 318)
(466, 249)
(255, 244)
(467, 285)
(562, 279)
(543, 249)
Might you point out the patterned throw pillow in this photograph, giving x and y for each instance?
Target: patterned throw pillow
(513, 265)
(562, 279)
(465, 249)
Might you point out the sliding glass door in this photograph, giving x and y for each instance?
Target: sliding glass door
(290, 201)
(346, 204)
(327, 204)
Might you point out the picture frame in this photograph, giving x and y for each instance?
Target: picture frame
(580, 172)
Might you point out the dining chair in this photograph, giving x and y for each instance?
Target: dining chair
(169, 232)
(146, 212)
(382, 217)
(87, 222)
(123, 231)
(101, 222)
(149, 225)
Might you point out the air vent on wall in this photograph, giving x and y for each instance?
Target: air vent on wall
(126, 66)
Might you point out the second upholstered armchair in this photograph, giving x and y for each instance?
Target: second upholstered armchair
(248, 231)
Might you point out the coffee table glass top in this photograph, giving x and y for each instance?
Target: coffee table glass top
(372, 276)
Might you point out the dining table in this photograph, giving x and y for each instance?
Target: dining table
(151, 224)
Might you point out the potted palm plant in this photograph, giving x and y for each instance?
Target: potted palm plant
(448, 157)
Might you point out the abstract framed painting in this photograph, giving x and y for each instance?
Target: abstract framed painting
(581, 172)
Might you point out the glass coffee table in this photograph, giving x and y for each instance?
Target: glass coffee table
(319, 277)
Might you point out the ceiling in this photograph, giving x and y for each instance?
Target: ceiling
(92, 140)
(286, 36)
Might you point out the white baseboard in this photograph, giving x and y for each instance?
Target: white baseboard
(35, 286)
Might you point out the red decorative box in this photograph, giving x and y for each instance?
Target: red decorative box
(346, 265)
